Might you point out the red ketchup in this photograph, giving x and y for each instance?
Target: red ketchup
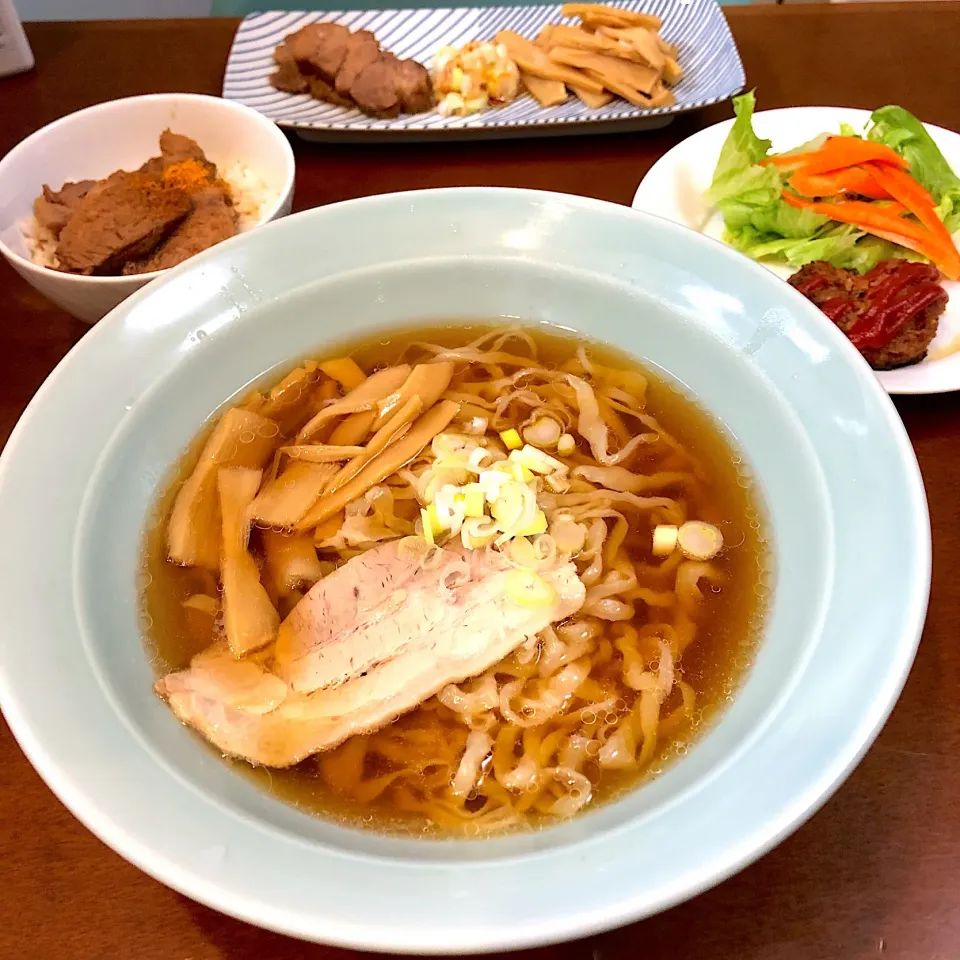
(874, 308)
(897, 291)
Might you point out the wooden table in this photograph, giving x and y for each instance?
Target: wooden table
(875, 874)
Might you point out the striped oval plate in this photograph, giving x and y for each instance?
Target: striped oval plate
(712, 70)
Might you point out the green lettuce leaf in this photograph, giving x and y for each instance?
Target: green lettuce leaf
(843, 246)
(748, 195)
(832, 246)
(902, 131)
(771, 216)
(759, 223)
(740, 151)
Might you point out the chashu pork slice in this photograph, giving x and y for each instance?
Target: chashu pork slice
(373, 640)
(344, 617)
(379, 605)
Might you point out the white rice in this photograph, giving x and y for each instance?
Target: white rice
(40, 242)
(251, 198)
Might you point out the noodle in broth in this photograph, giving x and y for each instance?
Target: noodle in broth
(588, 706)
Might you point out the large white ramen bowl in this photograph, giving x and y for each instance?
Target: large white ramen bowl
(846, 506)
(122, 134)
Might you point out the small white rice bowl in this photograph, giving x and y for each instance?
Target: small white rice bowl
(250, 153)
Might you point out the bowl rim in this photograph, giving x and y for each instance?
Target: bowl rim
(148, 856)
(269, 128)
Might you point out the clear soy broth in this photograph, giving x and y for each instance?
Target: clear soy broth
(729, 619)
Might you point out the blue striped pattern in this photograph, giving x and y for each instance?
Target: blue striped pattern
(712, 68)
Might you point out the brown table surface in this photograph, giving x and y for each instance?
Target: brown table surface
(876, 873)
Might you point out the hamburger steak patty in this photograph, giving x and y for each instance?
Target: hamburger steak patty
(890, 314)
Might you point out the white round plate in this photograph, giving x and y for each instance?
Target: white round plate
(674, 187)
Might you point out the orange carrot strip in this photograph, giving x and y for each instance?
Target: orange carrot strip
(908, 191)
(919, 202)
(860, 213)
(910, 235)
(838, 153)
(857, 180)
(881, 223)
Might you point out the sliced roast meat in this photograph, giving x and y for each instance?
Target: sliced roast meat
(153, 167)
(350, 69)
(288, 78)
(362, 50)
(213, 219)
(319, 49)
(122, 219)
(300, 45)
(414, 87)
(54, 208)
(370, 645)
(375, 89)
(143, 220)
(70, 194)
(321, 90)
(175, 148)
